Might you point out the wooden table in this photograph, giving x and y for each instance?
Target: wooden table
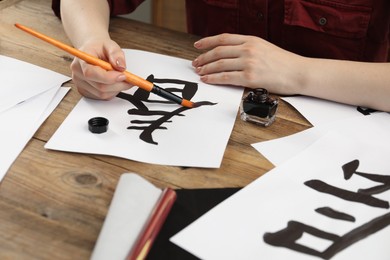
(52, 203)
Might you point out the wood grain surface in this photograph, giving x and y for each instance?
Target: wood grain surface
(53, 204)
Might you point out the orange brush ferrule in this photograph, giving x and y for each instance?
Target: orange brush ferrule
(130, 78)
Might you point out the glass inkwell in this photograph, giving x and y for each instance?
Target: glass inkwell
(258, 107)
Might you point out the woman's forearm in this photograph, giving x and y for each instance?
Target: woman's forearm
(356, 83)
(85, 20)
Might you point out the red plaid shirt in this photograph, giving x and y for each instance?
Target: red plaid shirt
(338, 29)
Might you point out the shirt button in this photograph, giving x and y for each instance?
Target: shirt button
(260, 16)
(322, 21)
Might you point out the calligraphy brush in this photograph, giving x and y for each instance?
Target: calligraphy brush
(130, 78)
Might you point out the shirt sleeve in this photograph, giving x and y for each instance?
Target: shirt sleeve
(117, 7)
(55, 6)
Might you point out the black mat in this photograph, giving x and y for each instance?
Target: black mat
(189, 205)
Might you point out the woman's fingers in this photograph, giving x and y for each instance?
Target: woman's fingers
(224, 39)
(97, 83)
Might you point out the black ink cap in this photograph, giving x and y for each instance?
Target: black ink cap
(98, 125)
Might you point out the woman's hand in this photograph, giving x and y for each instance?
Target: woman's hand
(94, 82)
(248, 61)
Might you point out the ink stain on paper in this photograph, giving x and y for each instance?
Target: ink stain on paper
(141, 97)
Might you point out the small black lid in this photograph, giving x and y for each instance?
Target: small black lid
(98, 125)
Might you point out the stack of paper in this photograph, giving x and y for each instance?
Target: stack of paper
(328, 197)
(28, 95)
(324, 116)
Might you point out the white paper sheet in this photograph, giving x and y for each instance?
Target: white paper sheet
(280, 150)
(320, 111)
(130, 207)
(197, 137)
(237, 228)
(21, 80)
(20, 122)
